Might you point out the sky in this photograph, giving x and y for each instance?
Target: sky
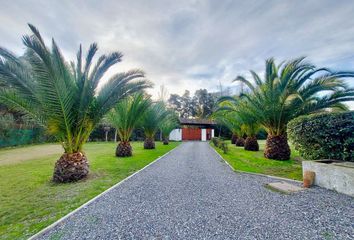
(191, 44)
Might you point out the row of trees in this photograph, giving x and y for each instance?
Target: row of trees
(68, 101)
(200, 105)
(286, 91)
(138, 111)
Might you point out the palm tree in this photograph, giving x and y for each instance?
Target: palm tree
(166, 127)
(230, 121)
(151, 121)
(64, 98)
(124, 117)
(240, 121)
(251, 127)
(289, 90)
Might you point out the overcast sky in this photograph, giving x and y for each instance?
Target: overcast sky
(191, 44)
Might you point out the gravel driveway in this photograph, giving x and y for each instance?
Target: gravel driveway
(192, 194)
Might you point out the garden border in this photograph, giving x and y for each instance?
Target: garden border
(54, 224)
(251, 173)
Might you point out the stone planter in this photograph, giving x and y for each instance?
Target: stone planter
(331, 174)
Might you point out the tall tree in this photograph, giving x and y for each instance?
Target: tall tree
(203, 103)
(200, 105)
(289, 90)
(64, 98)
(124, 117)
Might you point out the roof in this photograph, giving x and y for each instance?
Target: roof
(197, 121)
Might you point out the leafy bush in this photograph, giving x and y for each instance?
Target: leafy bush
(324, 136)
(224, 147)
(215, 141)
(220, 143)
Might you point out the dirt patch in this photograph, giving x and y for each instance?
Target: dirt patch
(16, 155)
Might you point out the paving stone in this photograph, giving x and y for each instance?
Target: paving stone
(285, 187)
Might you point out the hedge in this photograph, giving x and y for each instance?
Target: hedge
(324, 136)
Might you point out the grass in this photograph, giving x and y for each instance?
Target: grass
(29, 201)
(255, 162)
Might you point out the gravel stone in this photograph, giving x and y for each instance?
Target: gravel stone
(192, 194)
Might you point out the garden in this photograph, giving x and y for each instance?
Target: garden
(299, 108)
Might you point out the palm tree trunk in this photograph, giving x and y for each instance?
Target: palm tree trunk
(71, 167)
(251, 144)
(277, 147)
(149, 143)
(240, 142)
(233, 139)
(124, 149)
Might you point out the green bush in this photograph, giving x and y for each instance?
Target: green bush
(224, 147)
(324, 136)
(215, 141)
(220, 143)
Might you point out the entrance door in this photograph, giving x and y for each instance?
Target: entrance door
(191, 134)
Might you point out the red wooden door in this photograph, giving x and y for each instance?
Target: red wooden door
(191, 134)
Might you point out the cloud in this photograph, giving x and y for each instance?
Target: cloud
(191, 44)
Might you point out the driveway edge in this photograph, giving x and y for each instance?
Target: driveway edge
(251, 173)
(51, 226)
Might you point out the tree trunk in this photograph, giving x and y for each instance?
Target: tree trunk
(240, 142)
(277, 147)
(233, 139)
(124, 149)
(149, 143)
(165, 141)
(71, 167)
(251, 144)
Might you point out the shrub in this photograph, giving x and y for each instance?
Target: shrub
(215, 141)
(220, 143)
(224, 146)
(324, 136)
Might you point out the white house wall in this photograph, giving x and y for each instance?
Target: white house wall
(176, 135)
(204, 134)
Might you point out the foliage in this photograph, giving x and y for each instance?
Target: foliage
(63, 98)
(220, 143)
(169, 123)
(324, 136)
(215, 141)
(204, 103)
(235, 114)
(230, 121)
(153, 117)
(292, 89)
(200, 105)
(127, 113)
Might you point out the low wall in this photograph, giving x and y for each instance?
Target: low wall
(335, 176)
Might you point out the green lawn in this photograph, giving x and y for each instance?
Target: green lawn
(29, 201)
(255, 162)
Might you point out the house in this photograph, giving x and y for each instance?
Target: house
(193, 130)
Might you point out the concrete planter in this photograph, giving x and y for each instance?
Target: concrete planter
(334, 175)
